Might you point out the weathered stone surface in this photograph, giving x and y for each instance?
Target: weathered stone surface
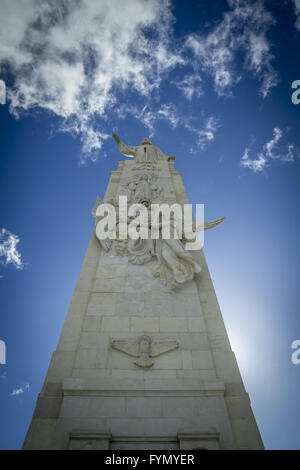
(96, 396)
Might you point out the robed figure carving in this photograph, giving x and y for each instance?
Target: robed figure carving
(146, 152)
(175, 265)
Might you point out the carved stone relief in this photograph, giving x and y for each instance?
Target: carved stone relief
(142, 188)
(144, 348)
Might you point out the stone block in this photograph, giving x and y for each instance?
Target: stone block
(102, 304)
(61, 365)
(226, 366)
(143, 407)
(239, 407)
(154, 374)
(91, 373)
(169, 360)
(86, 358)
(202, 360)
(93, 407)
(178, 407)
(127, 373)
(130, 304)
(40, 434)
(186, 360)
(84, 285)
(111, 271)
(220, 342)
(90, 340)
(196, 324)
(173, 324)
(47, 407)
(80, 297)
(115, 323)
(144, 324)
(91, 323)
(203, 374)
(194, 340)
(186, 304)
(159, 303)
(109, 285)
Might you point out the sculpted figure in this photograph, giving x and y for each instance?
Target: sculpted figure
(145, 152)
(143, 189)
(175, 265)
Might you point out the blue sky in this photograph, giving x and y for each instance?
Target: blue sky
(209, 82)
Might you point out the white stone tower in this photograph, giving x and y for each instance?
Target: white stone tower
(144, 360)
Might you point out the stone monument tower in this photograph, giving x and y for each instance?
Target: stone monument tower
(143, 360)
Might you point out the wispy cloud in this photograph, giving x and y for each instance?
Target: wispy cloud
(190, 86)
(205, 134)
(3, 376)
(297, 11)
(8, 249)
(270, 151)
(79, 59)
(243, 29)
(25, 387)
(150, 116)
(271, 146)
(257, 164)
(72, 57)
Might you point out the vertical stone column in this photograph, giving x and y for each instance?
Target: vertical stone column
(100, 392)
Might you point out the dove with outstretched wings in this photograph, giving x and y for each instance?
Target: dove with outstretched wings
(143, 348)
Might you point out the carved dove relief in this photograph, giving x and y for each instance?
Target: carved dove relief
(143, 348)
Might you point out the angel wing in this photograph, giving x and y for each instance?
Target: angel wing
(163, 346)
(207, 225)
(128, 346)
(97, 203)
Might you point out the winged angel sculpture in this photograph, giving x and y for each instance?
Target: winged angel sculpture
(175, 265)
(143, 348)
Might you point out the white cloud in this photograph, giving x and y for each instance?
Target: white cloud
(73, 57)
(256, 165)
(8, 249)
(206, 134)
(25, 387)
(269, 152)
(190, 86)
(243, 28)
(270, 146)
(290, 155)
(78, 59)
(297, 11)
(169, 113)
(149, 115)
